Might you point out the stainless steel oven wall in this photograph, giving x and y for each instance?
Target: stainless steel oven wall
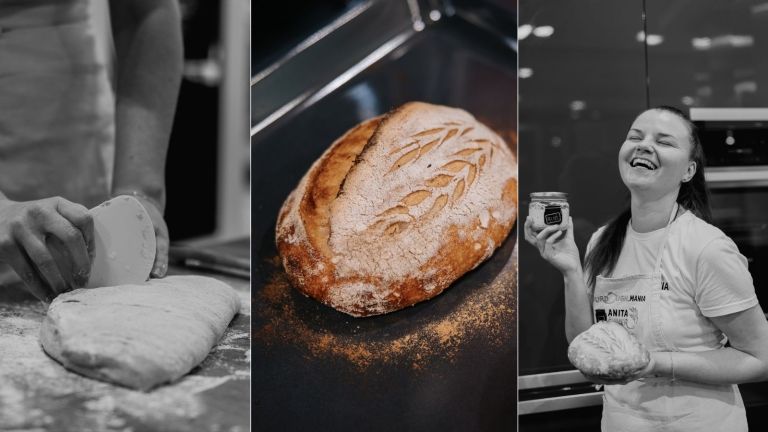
(585, 71)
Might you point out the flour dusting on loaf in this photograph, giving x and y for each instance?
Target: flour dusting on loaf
(397, 209)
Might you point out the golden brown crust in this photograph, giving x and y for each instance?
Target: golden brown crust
(461, 190)
(326, 182)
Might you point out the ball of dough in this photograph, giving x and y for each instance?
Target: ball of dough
(607, 350)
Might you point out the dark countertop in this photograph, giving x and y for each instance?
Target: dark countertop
(36, 393)
(448, 363)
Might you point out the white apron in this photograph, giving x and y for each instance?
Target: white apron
(658, 403)
(56, 104)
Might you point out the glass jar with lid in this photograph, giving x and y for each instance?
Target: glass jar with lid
(549, 208)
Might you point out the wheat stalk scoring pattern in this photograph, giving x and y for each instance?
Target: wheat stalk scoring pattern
(450, 180)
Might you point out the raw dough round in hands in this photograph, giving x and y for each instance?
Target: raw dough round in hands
(607, 350)
(139, 336)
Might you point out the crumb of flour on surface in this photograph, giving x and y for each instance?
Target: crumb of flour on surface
(229, 342)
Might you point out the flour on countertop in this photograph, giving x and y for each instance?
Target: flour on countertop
(39, 394)
(487, 313)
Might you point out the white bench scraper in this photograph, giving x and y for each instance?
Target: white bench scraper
(124, 243)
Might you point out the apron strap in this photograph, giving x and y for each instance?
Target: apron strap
(657, 267)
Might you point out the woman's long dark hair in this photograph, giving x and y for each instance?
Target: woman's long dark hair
(693, 196)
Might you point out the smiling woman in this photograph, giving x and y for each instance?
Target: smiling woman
(674, 281)
(661, 160)
(640, 164)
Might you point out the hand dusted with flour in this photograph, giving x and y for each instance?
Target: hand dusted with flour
(397, 209)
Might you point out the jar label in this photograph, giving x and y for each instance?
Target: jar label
(553, 215)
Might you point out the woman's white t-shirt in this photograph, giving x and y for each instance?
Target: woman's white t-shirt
(706, 276)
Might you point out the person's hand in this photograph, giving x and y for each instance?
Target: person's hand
(48, 243)
(556, 245)
(160, 266)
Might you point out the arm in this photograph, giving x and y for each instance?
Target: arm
(578, 304)
(746, 360)
(559, 249)
(148, 46)
(723, 282)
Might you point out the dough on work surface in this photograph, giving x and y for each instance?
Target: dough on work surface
(607, 350)
(397, 209)
(139, 336)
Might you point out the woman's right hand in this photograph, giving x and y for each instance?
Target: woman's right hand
(48, 243)
(555, 245)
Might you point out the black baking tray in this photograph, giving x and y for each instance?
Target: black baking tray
(445, 364)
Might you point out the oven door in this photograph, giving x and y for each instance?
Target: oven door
(740, 209)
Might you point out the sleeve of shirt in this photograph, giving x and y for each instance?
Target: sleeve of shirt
(724, 285)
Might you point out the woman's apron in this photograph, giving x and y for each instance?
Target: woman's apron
(56, 104)
(658, 403)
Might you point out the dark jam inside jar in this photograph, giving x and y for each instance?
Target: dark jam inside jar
(548, 209)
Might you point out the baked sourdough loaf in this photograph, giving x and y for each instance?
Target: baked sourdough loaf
(607, 350)
(397, 209)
